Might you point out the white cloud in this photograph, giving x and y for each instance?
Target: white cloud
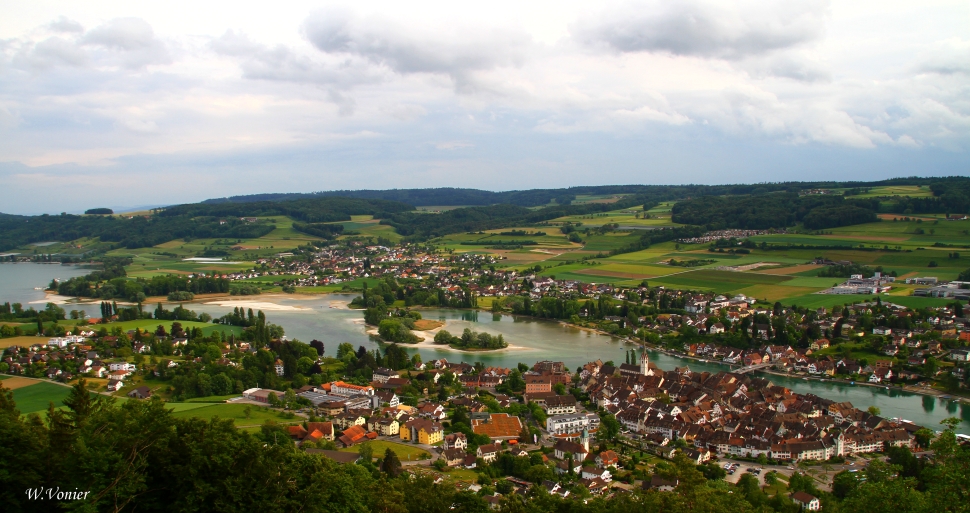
(64, 24)
(731, 30)
(405, 86)
(458, 52)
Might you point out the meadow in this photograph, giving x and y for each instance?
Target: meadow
(257, 415)
(404, 452)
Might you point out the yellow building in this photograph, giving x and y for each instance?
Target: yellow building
(422, 431)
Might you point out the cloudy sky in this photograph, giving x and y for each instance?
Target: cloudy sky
(151, 103)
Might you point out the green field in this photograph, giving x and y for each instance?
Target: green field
(404, 452)
(37, 398)
(235, 412)
(151, 324)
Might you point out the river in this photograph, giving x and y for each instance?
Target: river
(313, 318)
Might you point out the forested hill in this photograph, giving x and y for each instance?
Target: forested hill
(777, 210)
(448, 196)
(185, 221)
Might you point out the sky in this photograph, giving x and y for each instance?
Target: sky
(125, 104)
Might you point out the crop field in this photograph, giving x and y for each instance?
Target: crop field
(551, 238)
(659, 217)
(830, 300)
(703, 276)
(609, 241)
(598, 198)
(913, 191)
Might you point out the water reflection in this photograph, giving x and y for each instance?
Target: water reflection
(928, 404)
(951, 406)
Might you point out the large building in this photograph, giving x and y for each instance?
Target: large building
(643, 369)
(571, 424)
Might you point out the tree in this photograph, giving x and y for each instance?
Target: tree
(366, 452)
(609, 427)
(874, 410)
(391, 465)
(923, 437)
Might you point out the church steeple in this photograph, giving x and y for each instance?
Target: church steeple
(644, 363)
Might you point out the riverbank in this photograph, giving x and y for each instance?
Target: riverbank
(427, 341)
(293, 304)
(927, 391)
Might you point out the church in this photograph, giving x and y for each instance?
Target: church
(633, 369)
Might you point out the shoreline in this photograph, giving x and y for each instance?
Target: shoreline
(427, 342)
(912, 389)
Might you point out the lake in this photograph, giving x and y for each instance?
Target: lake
(539, 340)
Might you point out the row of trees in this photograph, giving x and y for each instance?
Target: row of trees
(471, 340)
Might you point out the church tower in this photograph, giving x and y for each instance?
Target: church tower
(584, 439)
(645, 364)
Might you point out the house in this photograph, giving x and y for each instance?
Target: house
(564, 449)
(593, 473)
(607, 459)
(387, 427)
(432, 411)
(386, 397)
(960, 355)
(660, 484)
(821, 343)
(324, 428)
(805, 501)
(559, 404)
(140, 393)
(118, 375)
(488, 452)
(555, 488)
(880, 374)
(353, 436)
(455, 441)
(114, 385)
(535, 384)
(453, 457)
(382, 374)
(279, 367)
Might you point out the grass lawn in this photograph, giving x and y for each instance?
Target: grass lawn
(462, 474)
(404, 452)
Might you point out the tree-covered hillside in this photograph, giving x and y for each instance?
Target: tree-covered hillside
(778, 210)
(450, 196)
(190, 221)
